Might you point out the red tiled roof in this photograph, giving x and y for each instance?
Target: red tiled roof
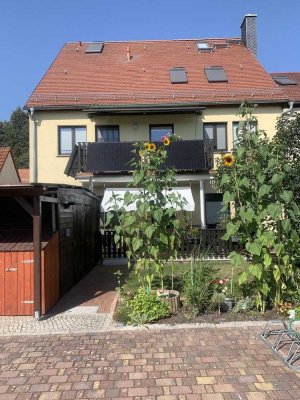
(24, 175)
(292, 91)
(108, 78)
(4, 152)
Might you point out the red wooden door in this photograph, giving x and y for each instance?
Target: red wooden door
(16, 283)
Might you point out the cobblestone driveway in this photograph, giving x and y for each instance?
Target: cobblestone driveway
(201, 364)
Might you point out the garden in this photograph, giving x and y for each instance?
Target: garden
(259, 180)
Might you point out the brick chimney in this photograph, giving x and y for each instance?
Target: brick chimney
(248, 32)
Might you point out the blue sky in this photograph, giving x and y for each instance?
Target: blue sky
(33, 31)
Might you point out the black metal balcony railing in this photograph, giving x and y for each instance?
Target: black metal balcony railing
(114, 157)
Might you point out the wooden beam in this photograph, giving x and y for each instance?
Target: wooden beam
(37, 255)
(25, 204)
(49, 199)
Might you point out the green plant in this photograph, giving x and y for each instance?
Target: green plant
(253, 181)
(153, 231)
(197, 285)
(118, 275)
(245, 304)
(146, 307)
(216, 300)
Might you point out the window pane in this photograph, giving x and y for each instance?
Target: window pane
(108, 134)
(235, 130)
(208, 132)
(80, 135)
(221, 137)
(65, 137)
(157, 132)
(213, 208)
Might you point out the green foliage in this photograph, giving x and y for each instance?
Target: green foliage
(245, 304)
(288, 138)
(197, 285)
(145, 308)
(15, 134)
(153, 231)
(264, 210)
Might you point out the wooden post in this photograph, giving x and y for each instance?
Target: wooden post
(37, 255)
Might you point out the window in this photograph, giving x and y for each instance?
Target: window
(215, 74)
(284, 80)
(213, 206)
(107, 133)
(178, 75)
(236, 129)
(217, 134)
(94, 47)
(158, 131)
(68, 136)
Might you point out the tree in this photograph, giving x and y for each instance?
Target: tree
(288, 137)
(16, 136)
(255, 182)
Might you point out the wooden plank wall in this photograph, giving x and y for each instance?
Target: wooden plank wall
(50, 273)
(78, 219)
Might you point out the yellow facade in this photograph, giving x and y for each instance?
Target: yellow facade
(51, 165)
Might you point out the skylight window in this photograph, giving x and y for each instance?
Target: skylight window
(94, 47)
(215, 74)
(284, 80)
(178, 75)
(204, 46)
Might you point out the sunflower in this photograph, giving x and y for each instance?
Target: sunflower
(147, 146)
(166, 141)
(152, 147)
(228, 160)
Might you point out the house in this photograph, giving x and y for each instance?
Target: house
(8, 171)
(103, 96)
(289, 82)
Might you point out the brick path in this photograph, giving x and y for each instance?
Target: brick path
(175, 364)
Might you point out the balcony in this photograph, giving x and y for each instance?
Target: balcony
(109, 158)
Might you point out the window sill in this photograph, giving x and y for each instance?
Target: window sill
(63, 155)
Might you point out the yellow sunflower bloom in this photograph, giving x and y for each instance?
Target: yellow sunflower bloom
(147, 146)
(166, 141)
(152, 147)
(228, 160)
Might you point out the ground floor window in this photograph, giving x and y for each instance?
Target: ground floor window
(213, 206)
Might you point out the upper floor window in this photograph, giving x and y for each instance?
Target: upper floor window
(217, 134)
(158, 131)
(68, 136)
(107, 133)
(236, 129)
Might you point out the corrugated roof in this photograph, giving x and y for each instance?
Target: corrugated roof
(292, 92)
(4, 152)
(138, 73)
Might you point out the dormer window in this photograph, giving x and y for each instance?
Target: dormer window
(178, 75)
(215, 74)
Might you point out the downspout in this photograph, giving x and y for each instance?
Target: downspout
(34, 147)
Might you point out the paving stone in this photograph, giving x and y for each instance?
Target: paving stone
(86, 365)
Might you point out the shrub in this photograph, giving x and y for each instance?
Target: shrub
(144, 308)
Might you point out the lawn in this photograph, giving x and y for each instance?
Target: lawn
(220, 269)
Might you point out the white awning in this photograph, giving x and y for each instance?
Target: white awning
(107, 204)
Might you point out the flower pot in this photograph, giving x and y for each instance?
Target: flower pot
(227, 305)
(171, 297)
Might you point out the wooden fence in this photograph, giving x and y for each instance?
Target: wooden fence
(207, 243)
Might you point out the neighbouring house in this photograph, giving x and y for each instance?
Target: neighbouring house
(24, 175)
(8, 172)
(289, 82)
(97, 98)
